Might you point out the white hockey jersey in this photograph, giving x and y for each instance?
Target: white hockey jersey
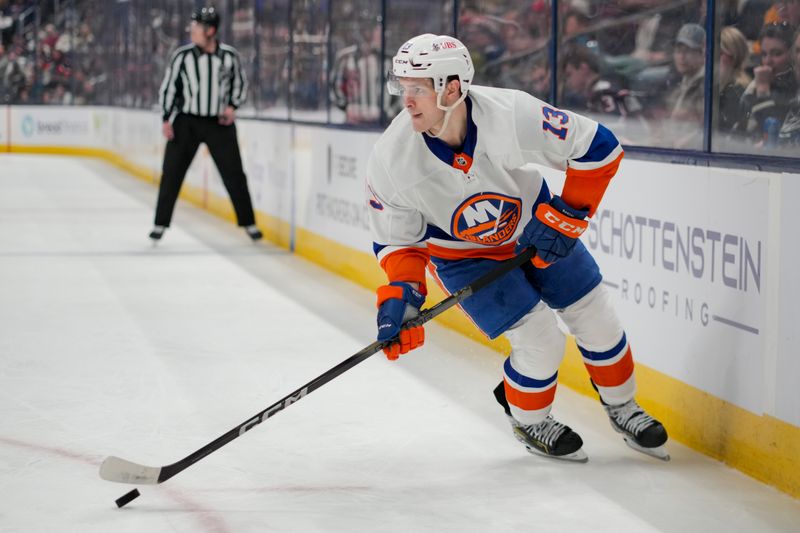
(474, 202)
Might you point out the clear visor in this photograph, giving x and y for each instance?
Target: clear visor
(415, 87)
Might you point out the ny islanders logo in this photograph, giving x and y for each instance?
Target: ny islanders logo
(487, 218)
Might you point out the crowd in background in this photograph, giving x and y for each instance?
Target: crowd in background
(86, 52)
(639, 66)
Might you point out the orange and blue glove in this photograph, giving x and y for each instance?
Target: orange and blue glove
(399, 302)
(553, 230)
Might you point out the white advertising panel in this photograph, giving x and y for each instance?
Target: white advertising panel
(787, 364)
(683, 252)
(5, 138)
(52, 126)
(267, 156)
(101, 126)
(331, 168)
(137, 136)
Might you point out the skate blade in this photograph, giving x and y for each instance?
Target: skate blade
(659, 452)
(578, 456)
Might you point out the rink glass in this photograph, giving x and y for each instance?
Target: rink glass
(325, 61)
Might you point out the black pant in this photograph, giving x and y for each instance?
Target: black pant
(190, 131)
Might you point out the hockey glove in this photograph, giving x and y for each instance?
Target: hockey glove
(553, 230)
(399, 302)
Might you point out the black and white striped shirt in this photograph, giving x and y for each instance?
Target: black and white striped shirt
(201, 84)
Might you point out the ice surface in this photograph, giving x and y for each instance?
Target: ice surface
(110, 346)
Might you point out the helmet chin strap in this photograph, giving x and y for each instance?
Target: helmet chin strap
(448, 110)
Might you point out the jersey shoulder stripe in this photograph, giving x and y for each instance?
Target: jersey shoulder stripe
(603, 150)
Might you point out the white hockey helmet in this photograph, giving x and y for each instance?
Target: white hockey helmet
(432, 56)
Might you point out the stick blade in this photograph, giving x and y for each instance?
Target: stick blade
(122, 471)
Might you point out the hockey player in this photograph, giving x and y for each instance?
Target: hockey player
(452, 186)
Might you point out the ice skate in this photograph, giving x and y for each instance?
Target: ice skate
(641, 431)
(549, 438)
(254, 233)
(157, 233)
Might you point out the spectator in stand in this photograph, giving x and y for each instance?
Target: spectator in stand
(9, 18)
(536, 21)
(727, 12)
(774, 13)
(731, 77)
(644, 28)
(540, 80)
(789, 133)
(84, 41)
(61, 69)
(686, 102)
(751, 15)
(49, 36)
(774, 83)
(793, 12)
(5, 95)
(57, 94)
(6, 26)
(12, 76)
(484, 40)
(79, 42)
(516, 37)
(576, 24)
(599, 95)
(356, 77)
(783, 11)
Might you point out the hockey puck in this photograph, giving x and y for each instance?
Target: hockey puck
(127, 498)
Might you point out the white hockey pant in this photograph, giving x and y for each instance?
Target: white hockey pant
(537, 348)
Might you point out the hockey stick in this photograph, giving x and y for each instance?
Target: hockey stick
(123, 471)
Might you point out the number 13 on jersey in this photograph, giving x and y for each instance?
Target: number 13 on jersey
(555, 121)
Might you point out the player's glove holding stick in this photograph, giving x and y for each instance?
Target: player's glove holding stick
(399, 302)
(553, 230)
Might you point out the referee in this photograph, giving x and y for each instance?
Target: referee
(203, 87)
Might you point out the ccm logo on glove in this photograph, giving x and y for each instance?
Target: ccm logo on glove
(553, 230)
(549, 216)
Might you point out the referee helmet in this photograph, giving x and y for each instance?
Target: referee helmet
(206, 15)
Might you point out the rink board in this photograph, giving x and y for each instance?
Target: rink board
(703, 288)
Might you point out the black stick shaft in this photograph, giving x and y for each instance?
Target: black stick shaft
(426, 315)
